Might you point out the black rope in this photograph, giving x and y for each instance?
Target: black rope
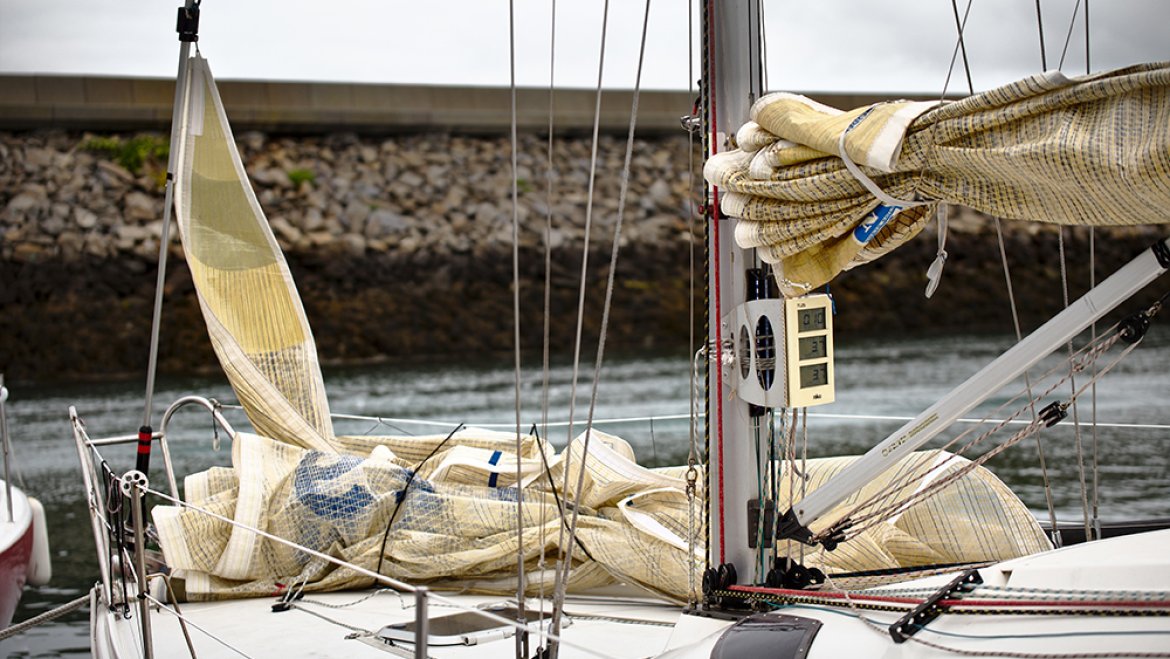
(402, 499)
(557, 497)
(885, 572)
(116, 530)
(960, 25)
(1040, 27)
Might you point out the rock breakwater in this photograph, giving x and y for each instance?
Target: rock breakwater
(401, 247)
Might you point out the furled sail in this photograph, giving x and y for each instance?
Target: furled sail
(1093, 150)
(253, 313)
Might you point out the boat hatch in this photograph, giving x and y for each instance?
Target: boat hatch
(464, 628)
(767, 635)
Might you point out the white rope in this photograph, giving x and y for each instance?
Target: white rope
(860, 175)
(1080, 450)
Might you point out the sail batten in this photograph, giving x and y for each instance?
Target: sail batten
(1093, 151)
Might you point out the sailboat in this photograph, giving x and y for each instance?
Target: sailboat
(315, 544)
(24, 534)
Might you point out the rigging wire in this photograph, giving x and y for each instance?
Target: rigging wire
(1077, 440)
(1068, 35)
(1040, 29)
(935, 485)
(606, 305)
(562, 572)
(1007, 276)
(545, 346)
(1093, 332)
(584, 263)
(960, 46)
(521, 636)
(692, 457)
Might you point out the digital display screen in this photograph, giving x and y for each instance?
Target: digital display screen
(811, 347)
(808, 320)
(815, 375)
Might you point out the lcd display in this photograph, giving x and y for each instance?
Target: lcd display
(816, 375)
(811, 347)
(808, 320)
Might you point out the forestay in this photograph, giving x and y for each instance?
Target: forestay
(1093, 150)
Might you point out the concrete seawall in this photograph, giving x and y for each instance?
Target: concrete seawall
(118, 104)
(399, 236)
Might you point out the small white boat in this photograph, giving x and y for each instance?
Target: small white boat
(24, 536)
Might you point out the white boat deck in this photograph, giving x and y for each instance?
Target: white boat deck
(345, 625)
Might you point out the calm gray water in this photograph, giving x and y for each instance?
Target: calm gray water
(887, 378)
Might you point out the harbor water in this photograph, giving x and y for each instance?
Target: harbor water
(879, 385)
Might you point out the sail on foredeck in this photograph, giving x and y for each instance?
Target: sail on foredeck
(1093, 150)
(249, 301)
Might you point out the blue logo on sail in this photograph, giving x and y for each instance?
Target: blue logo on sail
(322, 487)
(874, 222)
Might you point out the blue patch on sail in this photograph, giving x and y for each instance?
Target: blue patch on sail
(495, 459)
(874, 222)
(318, 488)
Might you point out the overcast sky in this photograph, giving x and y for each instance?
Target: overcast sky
(813, 45)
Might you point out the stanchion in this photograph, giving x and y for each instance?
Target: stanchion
(421, 630)
(135, 481)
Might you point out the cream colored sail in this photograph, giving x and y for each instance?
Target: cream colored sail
(1093, 150)
(249, 301)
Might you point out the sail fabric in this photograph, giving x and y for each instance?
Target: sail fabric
(454, 526)
(249, 301)
(1093, 150)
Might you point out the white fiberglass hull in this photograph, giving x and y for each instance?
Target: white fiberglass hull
(18, 560)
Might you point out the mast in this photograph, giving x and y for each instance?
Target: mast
(732, 81)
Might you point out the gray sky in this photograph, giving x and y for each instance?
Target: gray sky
(822, 45)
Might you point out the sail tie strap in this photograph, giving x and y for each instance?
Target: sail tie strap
(860, 175)
(934, 272)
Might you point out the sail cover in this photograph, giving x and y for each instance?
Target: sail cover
(253, 313)
(1093, 150)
